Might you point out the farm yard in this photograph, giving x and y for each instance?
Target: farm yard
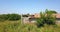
(29, 15)
(44, 23)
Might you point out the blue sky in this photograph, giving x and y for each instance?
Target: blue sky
(28, 6)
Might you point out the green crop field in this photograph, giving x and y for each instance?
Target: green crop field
(16, 26)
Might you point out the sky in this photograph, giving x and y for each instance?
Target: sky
(28, 6)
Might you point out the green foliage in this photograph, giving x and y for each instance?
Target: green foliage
(4, 17)
(50, 11)
(14, 17)
(46, 18)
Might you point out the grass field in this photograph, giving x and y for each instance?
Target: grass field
(16, 26)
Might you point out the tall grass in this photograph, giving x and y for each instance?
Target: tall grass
(16, 26)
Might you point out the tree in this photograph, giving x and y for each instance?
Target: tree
(46, 18)
(40, 21)
(50, 11)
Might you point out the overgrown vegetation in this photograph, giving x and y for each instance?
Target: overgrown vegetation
(16, 26)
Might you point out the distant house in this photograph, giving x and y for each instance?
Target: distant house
(28, 18)
(25, 18)
(32, 18)
(58, 17)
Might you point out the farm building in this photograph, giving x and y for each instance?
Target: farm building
(32, 18)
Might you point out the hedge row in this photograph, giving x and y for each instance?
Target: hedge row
(11, 17)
